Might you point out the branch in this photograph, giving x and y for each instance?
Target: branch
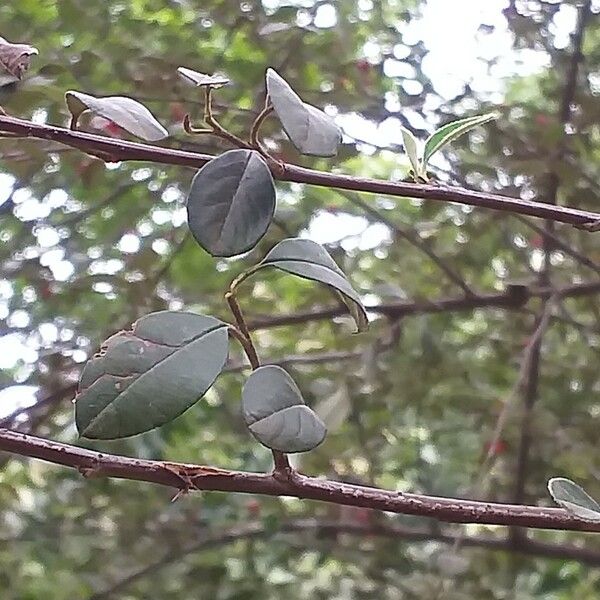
(514, 298)
(254, 530)
(196, 477)
(412, 236)
(123, 150)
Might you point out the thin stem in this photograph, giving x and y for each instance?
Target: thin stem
(73, 122)
(254, 140)
(282, 466)
(246, 345)
(217, 128)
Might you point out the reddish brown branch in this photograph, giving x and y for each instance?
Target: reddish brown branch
(256, 530)
(195, 477)
(124, 150)
(514, 298)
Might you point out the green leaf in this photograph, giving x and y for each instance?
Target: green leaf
(310, 129)
(145, 377)
(125, 112)
(231, 203)
(411, 147)
(310, 260)
(275, 413)
(574, 498)
(200, 79)
(449, 132)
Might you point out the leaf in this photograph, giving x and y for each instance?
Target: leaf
(310, 129)
(574, 498)
(125, 112)
(231, 203)
(335, 409)
(310, 260)
(449, 132)
(275, 413)
(15, 59)
(200, 79)
(411, 148)
(148, 376)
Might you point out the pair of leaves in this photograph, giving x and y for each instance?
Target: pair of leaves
(275, 412)
(125, 112)
(437, 140)
(14, 60)
(146, 377)
(231, 202)
(574, 498)
(309, 129)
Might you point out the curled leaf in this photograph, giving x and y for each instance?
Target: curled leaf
(200, 79)
(231, 202)
(125, 112)
(449, 132)
(411, 148)
(15, 59)
(574, 498)
(310, 260)
(310, 129)
(275, 413)
(148, 376)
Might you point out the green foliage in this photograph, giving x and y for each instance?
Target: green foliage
(86, 248)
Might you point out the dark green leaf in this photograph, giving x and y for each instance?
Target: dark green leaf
(231, 203)
(310, 129)
(145, 377)
(125, 112)
(310, 260)
(274, 410)
(574, 498)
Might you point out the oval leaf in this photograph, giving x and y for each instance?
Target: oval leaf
(449, 132)
(411, 147)
(310, 129)
(15, 59)
(275, 413)
(231, 203)
(200, 79)
(310, 260)
(145, 377)
(125, 112)
(574, 498)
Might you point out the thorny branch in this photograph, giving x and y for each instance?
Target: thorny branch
(197, 477)
(120, 150)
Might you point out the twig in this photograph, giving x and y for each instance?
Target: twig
(255, 530)
(125, 150)
(453, 510)
(413, 237)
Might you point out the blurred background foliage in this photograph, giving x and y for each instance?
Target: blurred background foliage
(87, 247)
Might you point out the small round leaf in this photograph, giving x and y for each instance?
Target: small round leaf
(125, 112)
(275, 413)
(148, 376)
(574, 498)
(310, 129)
(231, 203)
